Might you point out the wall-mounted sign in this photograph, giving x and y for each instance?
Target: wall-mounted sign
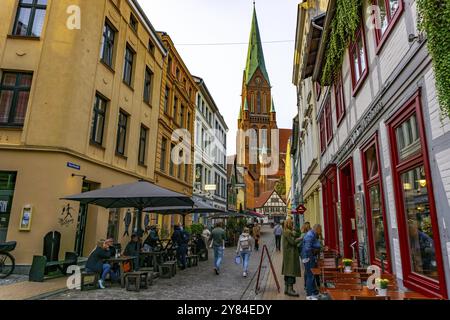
(67, 218)
(25, 218)
(210, 187)
(73, 166)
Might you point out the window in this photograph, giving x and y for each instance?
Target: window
(169, 65)
(162, 164)
(171, 164)
(148, 85)
(358, 59)
(329, 121)
(98, 119)
(142, 145)
(151, 46)
(7, 187)
(188, 124)
(113, 224)
(177, 74)
(186, 172)
(122, 133)
(373, 190)
(416, 213)
(323, 139)
(258, 102)
(14, 95)
(128, 66)
(107, 51)
(385, 17)
(133, 23)
(30, 18)
(339, 96)
(182, 116)
(166, 100)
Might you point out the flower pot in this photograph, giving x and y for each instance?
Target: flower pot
(348, 269)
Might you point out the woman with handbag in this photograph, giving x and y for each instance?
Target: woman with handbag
(244, 250)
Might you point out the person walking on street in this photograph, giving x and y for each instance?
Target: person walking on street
(217, 239)
(291, 261)
(278, 232)
(311, 245)
(244, 249)
(256, 235)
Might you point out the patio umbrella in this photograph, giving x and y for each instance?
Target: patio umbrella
(197, 207)
(254, 214)
(228, 215)
(139, 195)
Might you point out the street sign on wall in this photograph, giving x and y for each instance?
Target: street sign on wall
(210, 187)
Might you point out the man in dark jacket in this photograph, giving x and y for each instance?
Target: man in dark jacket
(95, 262)
(132, 250)
(181, 238)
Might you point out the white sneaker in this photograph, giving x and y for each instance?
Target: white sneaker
(245, 274)
(312, 298)
(101, 284)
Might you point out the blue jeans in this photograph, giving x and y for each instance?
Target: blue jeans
(181, 255)
(106, 271)
(245, 255)
(218, 256)
(311, 288)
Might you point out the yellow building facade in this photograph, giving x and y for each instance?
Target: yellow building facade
(174, 160)
(79, 107)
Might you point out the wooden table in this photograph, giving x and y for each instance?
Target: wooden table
(365, 292)
(121, 260)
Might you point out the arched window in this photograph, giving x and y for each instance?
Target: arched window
(258, 103)
(264, 103)
(252, 103)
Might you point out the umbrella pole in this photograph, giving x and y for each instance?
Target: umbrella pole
(139, 221)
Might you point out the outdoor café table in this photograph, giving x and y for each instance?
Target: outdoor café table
(121, 260)
(156, 258)
(366, 292)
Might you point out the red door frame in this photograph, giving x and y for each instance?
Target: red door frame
(347, 213)
(368, 183)
(329, 198)
(413, 280)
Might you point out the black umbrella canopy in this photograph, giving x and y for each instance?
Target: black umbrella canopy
(138, 195)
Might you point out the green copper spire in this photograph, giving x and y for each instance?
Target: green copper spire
(255, 56)
(272, 108)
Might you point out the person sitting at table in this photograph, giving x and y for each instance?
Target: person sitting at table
(181, 238)
(95, 262)
(132, 250)
(151, 242)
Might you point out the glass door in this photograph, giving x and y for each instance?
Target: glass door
(7, 186)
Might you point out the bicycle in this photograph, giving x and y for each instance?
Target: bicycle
(7, 261)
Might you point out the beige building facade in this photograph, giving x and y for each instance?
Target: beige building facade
(79, 108)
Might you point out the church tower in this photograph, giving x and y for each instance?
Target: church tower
(257, 112)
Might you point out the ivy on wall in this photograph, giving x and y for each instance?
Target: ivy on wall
(346, 21)
(434, 19)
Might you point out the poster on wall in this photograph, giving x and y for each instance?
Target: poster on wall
(25, 219)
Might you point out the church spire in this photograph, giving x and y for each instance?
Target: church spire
(255, 56)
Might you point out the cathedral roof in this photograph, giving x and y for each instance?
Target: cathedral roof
(255, 56)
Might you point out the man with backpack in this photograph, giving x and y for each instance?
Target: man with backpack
(244, 249)
(181, 238)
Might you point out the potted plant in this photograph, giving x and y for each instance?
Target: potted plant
(382, 286)
(347, 265)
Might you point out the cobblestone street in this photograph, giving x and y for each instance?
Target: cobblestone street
(199, 283)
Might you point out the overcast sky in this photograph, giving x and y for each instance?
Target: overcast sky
(193, 23)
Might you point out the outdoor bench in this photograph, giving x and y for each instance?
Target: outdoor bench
(40, 267)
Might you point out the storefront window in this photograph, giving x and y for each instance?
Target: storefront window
(377, 222)
(420, 233)
(372, 162)
(7, 186)
(408, 139)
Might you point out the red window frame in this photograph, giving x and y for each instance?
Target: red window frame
(363, 73)
(318, 90)
(370, 182)
(413, 280)
(339, 98)
(329, 121)
(330, 199)
(323, 140)
(380, 39)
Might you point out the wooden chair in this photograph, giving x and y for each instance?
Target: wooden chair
(370, 298)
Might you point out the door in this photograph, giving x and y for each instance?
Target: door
(349, 230)
(81, 223)
(329, 190)
(7, 186)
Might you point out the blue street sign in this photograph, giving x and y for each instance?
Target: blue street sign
(73, 166)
